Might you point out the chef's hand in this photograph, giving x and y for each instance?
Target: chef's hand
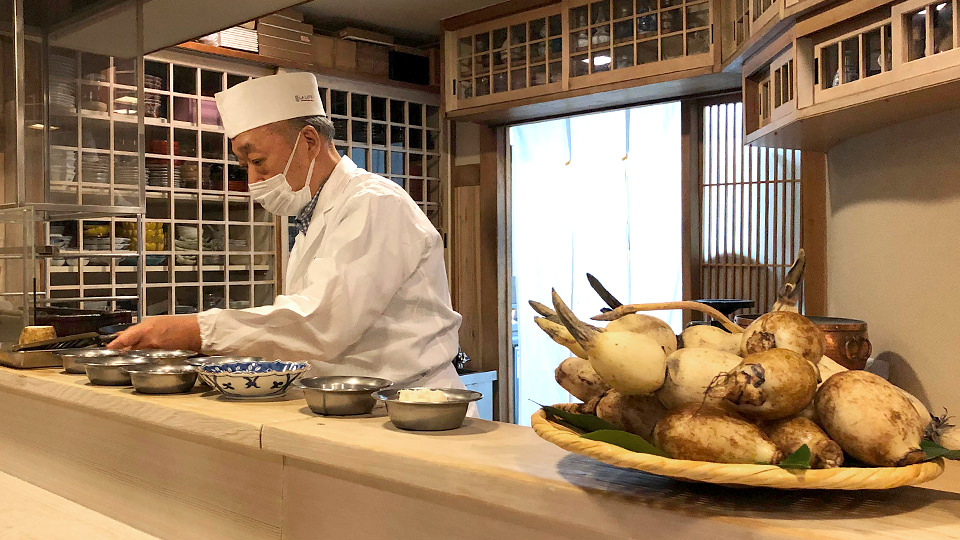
(166, 332)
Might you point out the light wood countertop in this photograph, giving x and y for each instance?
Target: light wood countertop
(31, 513)
(510, 471)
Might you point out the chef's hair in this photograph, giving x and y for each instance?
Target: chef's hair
(322, 124)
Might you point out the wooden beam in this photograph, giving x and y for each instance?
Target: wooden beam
(490, 13)
(813, 231)
(665, 87)
(260, 59)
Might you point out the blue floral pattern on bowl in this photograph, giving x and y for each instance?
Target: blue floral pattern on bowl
(253, 379)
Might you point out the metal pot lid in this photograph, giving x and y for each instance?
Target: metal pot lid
(826, 324)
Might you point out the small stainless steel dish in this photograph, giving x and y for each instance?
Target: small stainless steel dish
(112, 371)
(75, 359)
(163, 357)
(160, 379)
(424, 416)
(341, 396)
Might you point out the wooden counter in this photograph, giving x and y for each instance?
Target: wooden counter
(197, 466)
(30, 513)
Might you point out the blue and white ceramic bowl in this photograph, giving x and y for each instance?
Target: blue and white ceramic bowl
(252, 379)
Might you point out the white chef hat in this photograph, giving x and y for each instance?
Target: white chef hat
(269, 99)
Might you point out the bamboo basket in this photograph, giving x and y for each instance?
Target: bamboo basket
(848, 478)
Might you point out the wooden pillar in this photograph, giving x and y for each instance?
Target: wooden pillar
(479, 257)
(691, 156)
(813, 195)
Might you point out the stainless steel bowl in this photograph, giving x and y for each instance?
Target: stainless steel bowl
(160, 379)
(161, 356)
(75, 359)
(112, 371)
(206, 360)
(341, 396)
(421, 416)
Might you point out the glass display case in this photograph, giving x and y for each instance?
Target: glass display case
(517, 56)
(57, 138)
(137, 200)
(616, 34)
(205, 243)
(611, 35)
(17, 271)
(929, 28)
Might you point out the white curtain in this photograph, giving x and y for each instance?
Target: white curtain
(598, 193)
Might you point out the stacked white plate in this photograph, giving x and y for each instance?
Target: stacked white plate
(241, 38)
(158, 173)
(151, 105)
(151, 102)
(93, 243)
(61, 241)
(238, 245)
(187, 245)
(152, 82)
(96, 169)
(187, 240)
(63, 83)
(187, 232)
(63, 165)
(177, 178)
(125, 170)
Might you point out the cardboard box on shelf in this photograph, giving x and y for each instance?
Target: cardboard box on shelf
(287, 44)
(345, 55)
(323, 47)
(285, 54)
(283, 33)
(283, 22)
(373, 59)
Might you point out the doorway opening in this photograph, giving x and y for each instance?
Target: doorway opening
(598, 193)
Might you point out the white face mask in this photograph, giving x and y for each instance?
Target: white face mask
(276, 195)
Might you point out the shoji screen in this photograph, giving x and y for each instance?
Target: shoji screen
(749, 204)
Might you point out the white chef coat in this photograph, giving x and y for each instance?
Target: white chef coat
(366, 292)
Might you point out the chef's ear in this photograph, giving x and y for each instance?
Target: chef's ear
(313, 139)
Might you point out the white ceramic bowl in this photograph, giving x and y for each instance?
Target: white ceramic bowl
(252, 379)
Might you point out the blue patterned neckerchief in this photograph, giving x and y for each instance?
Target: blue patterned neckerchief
(306, 213)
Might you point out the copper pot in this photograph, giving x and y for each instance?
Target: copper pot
(847, 341)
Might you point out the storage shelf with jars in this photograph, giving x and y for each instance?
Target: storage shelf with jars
(576, 45)
(205, 242)
(616, 39)
(744, 19)
(508, 58)
(853, 74)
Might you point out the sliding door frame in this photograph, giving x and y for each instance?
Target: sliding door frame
(812, 208)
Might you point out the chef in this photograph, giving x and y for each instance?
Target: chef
(366, 289)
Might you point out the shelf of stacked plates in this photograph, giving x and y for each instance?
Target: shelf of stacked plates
(205, 242)
(91, 201)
